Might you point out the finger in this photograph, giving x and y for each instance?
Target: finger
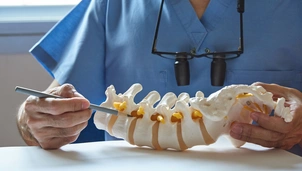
(55, 106)
(49, 132)
(65, 120)
(55, 143)
(273, 123)
(264, 143)
(249, 132)
(277, 90)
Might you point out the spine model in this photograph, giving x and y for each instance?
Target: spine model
(182, 122)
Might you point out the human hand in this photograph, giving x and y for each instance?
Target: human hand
(54, 122)
(273, 131)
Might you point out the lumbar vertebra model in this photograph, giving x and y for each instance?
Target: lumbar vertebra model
(183, 122)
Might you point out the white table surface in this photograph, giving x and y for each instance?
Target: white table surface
(119, 155)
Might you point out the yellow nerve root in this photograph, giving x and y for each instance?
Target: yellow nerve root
(120, 106)
(248, 108)
(196, 114)
(176, 117)
(140, 111)
(258, 107)
(161, 119)
(243, 95)
(158, 117)
(265, 109)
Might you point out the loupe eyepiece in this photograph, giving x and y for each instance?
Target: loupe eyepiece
(218, 70)
(182, 70)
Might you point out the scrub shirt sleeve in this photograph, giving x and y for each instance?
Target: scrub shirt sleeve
(73, 51)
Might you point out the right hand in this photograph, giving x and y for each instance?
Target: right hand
(55, 122)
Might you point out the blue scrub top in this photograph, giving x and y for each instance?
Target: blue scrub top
(102, 42)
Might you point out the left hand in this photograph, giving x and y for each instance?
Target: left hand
(273, 131)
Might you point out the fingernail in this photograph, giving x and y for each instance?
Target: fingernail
(237, 129)
(255, 116)
(85, 105)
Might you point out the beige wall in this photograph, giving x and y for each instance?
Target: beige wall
(17, 70)
(20, 29)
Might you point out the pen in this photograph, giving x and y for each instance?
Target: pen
(44, 95)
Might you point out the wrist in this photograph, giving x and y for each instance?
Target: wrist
(23, 128)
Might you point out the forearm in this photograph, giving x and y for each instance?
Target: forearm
(24, 129)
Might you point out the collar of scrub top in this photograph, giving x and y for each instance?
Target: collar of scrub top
(218, 63)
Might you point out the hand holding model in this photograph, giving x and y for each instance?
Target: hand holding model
(272, 131)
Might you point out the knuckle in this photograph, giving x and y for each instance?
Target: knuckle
(54, 107)
(29, 104)
(73, 131)
(54, 91)
(32, 123)
(56, 121)
(67, 90)
(66, 122)
(66, 105)
(67, 132)
(67, 87)
(40, 136)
